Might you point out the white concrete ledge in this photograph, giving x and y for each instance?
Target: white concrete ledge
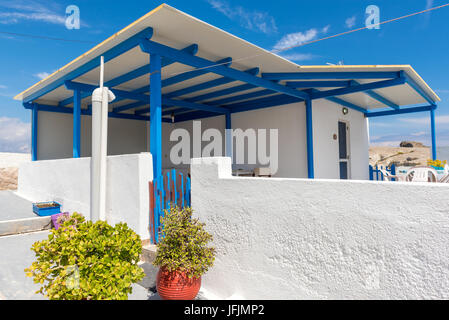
(13, 227)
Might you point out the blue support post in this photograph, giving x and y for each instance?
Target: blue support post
(34, 124)
(76, 124)
(434, 139)
(229, 147)
(156, 114)
(309, 125)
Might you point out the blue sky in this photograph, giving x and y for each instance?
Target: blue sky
(420, 41)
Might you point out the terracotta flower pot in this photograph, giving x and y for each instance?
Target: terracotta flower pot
(176, 285)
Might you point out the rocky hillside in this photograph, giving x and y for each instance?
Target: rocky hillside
(9, 164)
(409, 155)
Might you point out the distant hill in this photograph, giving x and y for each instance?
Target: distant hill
(415, 154)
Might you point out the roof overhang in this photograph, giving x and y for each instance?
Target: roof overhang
(242, 77)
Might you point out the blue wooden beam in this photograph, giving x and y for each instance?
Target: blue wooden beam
(433, 134)
(34, 132)
(372, 114)
(221, 93)
(197, 62)
(77, 124)
(207, 85)
(156, 114)
(145, 98)
(346, 104)
(110, 54)
(226, 62)
(131, 75)
(412, 83)
(318, 84)
(378, 97)
(309, 129)
(330, 75)
(86, 112)
(262, 103)
(358, 88)
(251, 95)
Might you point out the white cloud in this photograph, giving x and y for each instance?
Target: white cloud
(3, 87)
(350, 22)
(42, 75)
(426, 120)
(16, 11)
(296, 39)
(253, 20)
(14, 135)
(299, 56)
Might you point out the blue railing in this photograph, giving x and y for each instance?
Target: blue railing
(375, 173)
(167, 190)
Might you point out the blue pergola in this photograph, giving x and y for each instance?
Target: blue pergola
(273, 89)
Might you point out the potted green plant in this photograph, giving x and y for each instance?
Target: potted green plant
(183, 255)
(87, 261)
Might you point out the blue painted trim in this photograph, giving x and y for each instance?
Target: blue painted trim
(86, 112)
(76, 124)
(241, 97)
(346, 104)
(194, 115)
(129, 106)
(156, 114)
(318, 84)
(193, 74)
(379, 98)
(221, 93)
(418, 89)
(197, 62)
(358, 88)
(309, 129)
(433, 134)
(330, 75)
(207, 85)
(262, 103)
(144, 98)
(34, 132)
(372, 114)
(94, 63)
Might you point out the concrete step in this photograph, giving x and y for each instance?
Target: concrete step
(22, 226)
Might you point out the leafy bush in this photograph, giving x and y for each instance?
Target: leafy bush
(87, 261)
(183, 246)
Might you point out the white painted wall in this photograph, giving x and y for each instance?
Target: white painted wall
(322, 239)
(55, 136)
(67, 182)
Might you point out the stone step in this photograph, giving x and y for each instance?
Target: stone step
(21, 226)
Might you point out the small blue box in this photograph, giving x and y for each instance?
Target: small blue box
(49, 208)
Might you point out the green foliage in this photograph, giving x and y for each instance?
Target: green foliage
(87, 261)
(183, 246)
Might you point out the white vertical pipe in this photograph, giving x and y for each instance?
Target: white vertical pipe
(100, 110)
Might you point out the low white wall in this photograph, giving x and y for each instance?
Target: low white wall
(322, 239)
(67, 181)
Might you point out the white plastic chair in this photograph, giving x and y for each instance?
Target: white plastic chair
(422, 174)
(389, 177)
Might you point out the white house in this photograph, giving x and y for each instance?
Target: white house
(199, 72)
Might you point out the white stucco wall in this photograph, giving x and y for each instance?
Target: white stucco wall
(55, 136)
(67, 182)
(322, 239)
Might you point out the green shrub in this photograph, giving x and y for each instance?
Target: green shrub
(87, 261)
(183, 246)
